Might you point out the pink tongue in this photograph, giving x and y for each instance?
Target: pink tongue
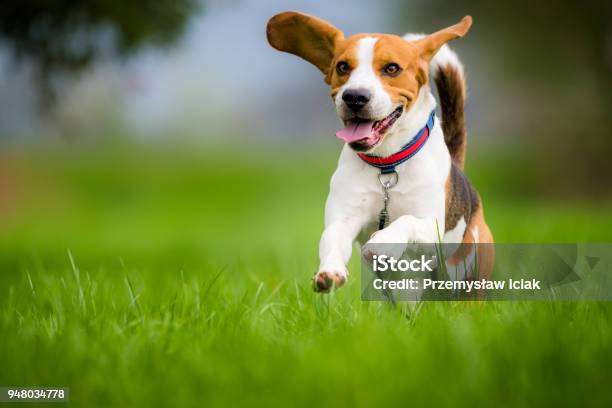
(355, 131)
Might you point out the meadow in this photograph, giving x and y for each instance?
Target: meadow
(160, 276)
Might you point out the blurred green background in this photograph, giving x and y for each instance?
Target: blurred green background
(160, 209)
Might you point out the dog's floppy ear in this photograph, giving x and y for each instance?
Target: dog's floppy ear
(430, 44)
(305, 36)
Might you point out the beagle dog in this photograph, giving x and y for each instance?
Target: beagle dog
(400, 174)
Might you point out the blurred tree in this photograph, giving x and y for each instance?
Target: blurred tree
(61, 36)
(550, 62)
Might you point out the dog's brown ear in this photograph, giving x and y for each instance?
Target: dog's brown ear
(430, 44)
(305, 36)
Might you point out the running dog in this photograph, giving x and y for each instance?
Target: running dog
(400, 174)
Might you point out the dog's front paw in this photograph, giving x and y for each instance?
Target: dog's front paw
(384, 242)
(371, 249)
(324, 280)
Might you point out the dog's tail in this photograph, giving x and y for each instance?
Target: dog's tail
(450, 82)
(447, 72)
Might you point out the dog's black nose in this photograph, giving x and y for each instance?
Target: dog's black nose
(356, 99)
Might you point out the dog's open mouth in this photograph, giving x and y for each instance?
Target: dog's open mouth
(362, 134)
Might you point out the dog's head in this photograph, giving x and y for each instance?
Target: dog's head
(374, 78)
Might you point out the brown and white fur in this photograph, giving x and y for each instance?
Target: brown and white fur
(432, 193)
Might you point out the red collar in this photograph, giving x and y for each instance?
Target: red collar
(388, 164)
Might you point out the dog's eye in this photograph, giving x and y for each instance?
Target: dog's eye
(392, 69)
(342, 67)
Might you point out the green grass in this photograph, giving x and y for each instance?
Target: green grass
(159, 278)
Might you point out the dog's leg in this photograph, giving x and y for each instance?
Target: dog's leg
(404, 230)
(334, 252)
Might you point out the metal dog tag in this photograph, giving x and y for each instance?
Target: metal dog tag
(383, 217)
